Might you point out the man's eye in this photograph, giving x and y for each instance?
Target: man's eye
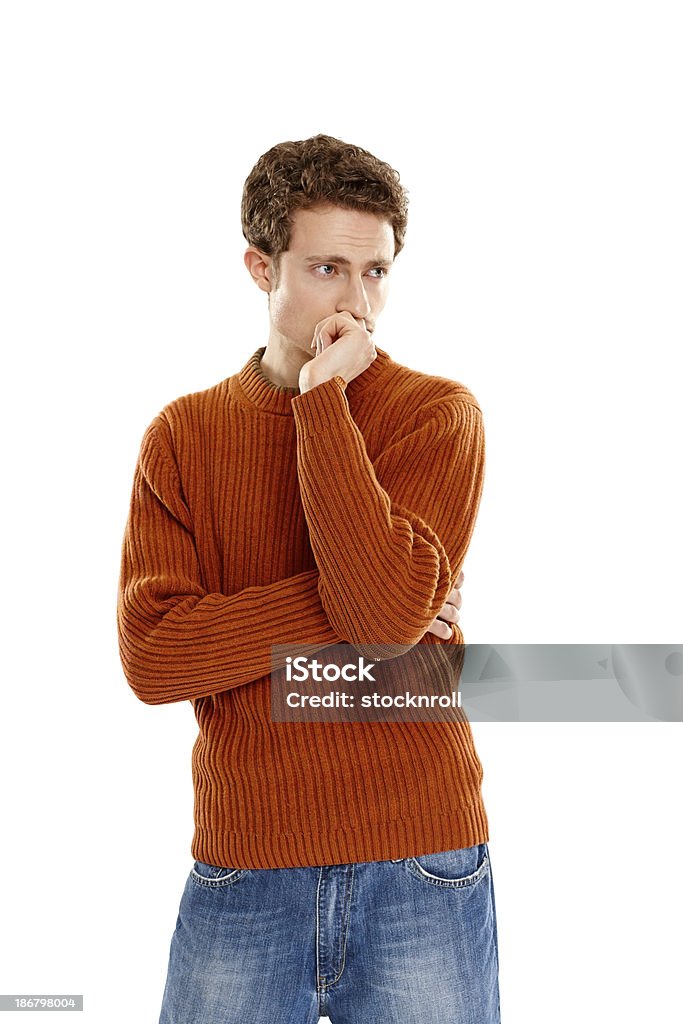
(322, 266)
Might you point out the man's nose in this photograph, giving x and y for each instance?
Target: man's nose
(355, 300)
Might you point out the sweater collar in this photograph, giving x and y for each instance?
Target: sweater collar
(260, 391)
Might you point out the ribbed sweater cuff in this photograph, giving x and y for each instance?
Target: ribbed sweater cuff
(320, 408)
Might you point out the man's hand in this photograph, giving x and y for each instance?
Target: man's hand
(343, 348)
(441, 624)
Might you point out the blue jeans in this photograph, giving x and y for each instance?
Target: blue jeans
(408, 941)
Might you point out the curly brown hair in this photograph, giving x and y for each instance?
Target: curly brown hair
(313, 172)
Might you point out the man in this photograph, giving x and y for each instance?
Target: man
(324, 494)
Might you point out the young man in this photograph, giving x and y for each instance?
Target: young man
(324, 494)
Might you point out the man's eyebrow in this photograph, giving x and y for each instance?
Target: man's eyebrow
(343, 260)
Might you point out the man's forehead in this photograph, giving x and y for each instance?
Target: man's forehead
(337, 231)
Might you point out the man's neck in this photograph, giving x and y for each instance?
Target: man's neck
(281, 363)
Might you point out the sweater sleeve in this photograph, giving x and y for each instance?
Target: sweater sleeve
(178, 641)
(389, 539)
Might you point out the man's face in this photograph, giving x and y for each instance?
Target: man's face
(338, 259)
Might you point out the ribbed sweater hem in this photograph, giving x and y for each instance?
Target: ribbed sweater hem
(376, 840)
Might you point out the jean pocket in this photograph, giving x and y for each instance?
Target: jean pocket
(453, 869)
(215, 877)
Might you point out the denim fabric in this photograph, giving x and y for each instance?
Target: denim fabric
(407, 941)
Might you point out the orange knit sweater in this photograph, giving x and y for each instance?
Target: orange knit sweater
(263, 516)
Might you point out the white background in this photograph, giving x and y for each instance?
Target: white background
(541, 147)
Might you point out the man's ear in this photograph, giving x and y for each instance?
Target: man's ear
(258, 264)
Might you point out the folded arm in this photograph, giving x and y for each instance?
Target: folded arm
(178, 641)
